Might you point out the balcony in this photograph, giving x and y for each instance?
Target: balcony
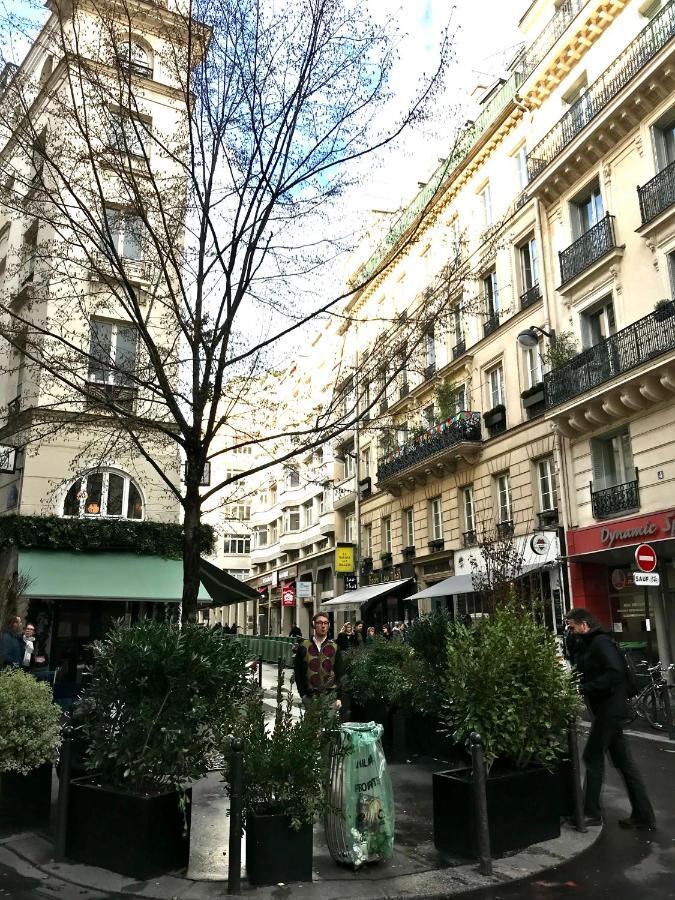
(491, 324)
(616, 500)
(548, 36)
(547, 519)
(430, 370)
(408, 553)
(432, 452)
(104, 396)
(642, 49)
(104, 268)
(634, 345)
(436, 546)
(657, 195)
(504, 529)
(384, 406)
(587, 250)
(530, 296)
(27, 270)
(458, 349)
(344, 493)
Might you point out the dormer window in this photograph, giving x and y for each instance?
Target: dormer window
(132, 57)
(103, 493)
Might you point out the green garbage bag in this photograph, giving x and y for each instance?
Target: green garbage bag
(359, 822)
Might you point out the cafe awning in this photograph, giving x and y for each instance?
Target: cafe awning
(350, 600)
(224, 589)
(60, 574)
(456, 584)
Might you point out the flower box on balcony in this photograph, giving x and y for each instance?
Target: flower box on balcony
(367, 564)
(469, 538)
(436, 546)
(533, 395)
(505, 528)
(386, 559)
(548, 518)
(495, 416)
(408, 553)
(664, 310)
(404, 390)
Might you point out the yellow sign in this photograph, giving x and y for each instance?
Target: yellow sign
(344, 558)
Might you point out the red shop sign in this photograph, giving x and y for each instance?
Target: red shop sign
(628, 532)
(288, 595)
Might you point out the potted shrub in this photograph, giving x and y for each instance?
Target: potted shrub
(160, 700)
(663, 310)
(504, 681)
(386, 559)
(285, 776)
(29, 738)
(495, 416)
(533, 395)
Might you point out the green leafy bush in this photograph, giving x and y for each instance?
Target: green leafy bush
(163, 539)
(505, 682)
(285, 767)
(385, 672)
(428, 637)
(30, 729)
(160, 702)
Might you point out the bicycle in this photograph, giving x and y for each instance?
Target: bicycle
(655, 703)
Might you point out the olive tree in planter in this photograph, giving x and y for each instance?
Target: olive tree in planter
(160, 701)
(30, 734)
(285, 775)
(504, 681)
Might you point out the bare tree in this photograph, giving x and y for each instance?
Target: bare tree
(197, 230)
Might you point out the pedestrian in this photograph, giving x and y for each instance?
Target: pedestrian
(358, 637)
(603, 684)
(318, 664)
(386, 632)
(28, 647)
(370, 635)
(295, 632)
(11, 643)
(344, 637)
(234, 628)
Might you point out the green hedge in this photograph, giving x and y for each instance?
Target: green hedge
(163, 539)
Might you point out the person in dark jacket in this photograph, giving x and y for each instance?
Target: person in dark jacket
(11, 643)
(295, 632)
(603, 685)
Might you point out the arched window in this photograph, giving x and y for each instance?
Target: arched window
(46, 70)
(104, 493)
(134, 57)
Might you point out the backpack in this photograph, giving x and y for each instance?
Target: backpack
(629, 670)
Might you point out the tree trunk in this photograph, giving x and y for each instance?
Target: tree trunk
(191, 554)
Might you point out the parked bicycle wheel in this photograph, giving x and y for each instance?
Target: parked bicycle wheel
(648, 707)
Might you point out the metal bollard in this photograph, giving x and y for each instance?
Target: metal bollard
(65, 768)
(236, 799)
(480, 805)
(260, 662)
(573, 749)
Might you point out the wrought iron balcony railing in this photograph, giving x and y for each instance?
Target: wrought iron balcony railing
(458, 349)
(505, 528)
(547, 518)
(403, 390)
(530, 296)
(658, 194)
(469, 538)
(643, 48)
(642, 340)
(430, 370)
(491, 324)
(463, 427)
(589, 248)
(548, 36)
(615, 500)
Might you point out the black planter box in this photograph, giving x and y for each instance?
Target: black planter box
(132, 834)
(275, 852)
(26, 800)
(523, 808)
(533, 399)
(495, 417)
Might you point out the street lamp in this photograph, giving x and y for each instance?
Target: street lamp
(530, 336)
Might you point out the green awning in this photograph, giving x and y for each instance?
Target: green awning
(224, 588)
(59, 574)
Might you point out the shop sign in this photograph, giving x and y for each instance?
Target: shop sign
(344, 557)
(383, 576)
(647, 579)
(539, 544)
(272, 579)
(655, 527)
(288, 595)
(285, 574)
(645, 557)
(303, 590)
(350, 583)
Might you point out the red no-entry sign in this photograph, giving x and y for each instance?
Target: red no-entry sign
(645, 557)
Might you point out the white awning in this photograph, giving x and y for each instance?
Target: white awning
(352, 599)
(456, 584)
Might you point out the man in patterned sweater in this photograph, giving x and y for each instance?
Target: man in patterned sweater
(318, 664)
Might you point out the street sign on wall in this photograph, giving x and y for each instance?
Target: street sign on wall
(645, 557)
(647, 579)
(350, 583)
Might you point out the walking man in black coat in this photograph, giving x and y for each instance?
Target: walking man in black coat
(603, 684)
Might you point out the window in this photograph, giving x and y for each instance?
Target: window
(128, 134)
(126, 233)
(521, 166)
(308, 514)
(491, 294)
(238, 511)
(403, 367)
(671, 271)
(598, 323)
(104, 493)
(233, 475)
(664, 142)
(239, 574)
(586, 210)
(436, 519)
(365, 463)
(469, 511)
(485, 200)
(324, 499)
(529, 264)
(367, 545)
(612, 458)
(408, 527)
(260, 536)
(496, 385)
(504, 498)
(4, 242)
(458, 323)
(291, 519)
(429, 350)
(134, 58)
(386, 535)
(460, 399)
(350, 528)
(547, 484)
(350, 466)
(273, 531)
(402, 434)
(46, 70)
(237, 545)
(533, 362)
(242, 451)
(112, 352)
(428, 416)
(292, 477)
